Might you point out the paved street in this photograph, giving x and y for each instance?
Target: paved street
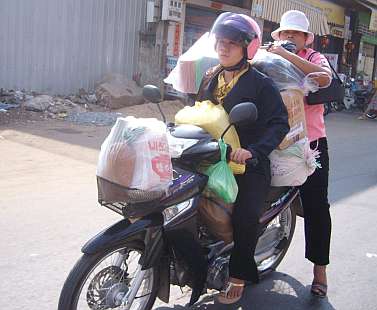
(48, 210)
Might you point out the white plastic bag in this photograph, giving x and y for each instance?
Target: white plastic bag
(136, 155)
(293, 165)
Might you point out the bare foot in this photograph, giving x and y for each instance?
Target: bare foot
(233, 291)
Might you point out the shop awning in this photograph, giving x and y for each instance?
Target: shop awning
(272, 10)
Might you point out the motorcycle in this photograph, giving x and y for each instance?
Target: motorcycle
(162, 242)
(357, 94)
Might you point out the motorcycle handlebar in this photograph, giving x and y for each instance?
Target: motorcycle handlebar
(249, 162)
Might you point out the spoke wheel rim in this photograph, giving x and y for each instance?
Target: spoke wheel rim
(114, 289)
(284, 221)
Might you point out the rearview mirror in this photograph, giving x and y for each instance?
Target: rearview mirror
(245, 112)
(152, 93)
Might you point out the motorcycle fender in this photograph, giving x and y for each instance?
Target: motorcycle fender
(298, 206)
(121, 233)
(164, 278)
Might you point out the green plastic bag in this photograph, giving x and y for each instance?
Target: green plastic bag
(221, 180)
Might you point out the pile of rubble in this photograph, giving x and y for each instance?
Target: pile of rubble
(113, 92)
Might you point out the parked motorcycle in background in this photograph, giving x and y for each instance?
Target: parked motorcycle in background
(357, 94)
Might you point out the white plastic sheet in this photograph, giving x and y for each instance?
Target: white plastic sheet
(284, 73)
(191, 65)
(293, 165)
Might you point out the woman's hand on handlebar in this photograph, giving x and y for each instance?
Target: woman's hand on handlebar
(240, 156)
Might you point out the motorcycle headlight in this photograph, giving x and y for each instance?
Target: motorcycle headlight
(173, 211)
(178, 145)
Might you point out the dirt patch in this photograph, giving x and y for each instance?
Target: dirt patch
(21, 117)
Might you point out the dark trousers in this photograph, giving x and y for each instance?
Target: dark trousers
(316, 209)
(253, 187)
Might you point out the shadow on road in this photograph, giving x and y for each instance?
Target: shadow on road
(276, 291)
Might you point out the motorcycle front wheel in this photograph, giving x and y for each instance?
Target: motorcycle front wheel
(111, 279)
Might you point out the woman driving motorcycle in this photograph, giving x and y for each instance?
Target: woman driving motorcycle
(234, 81)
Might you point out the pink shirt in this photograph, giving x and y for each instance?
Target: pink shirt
(315, 122)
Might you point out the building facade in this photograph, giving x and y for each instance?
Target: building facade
(343, 29)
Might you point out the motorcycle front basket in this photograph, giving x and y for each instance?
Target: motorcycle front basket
(126, 201)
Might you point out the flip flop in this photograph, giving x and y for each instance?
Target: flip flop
(319, 289)
(224, 299)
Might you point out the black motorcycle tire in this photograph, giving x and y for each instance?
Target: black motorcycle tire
(292, 210)
(78, 275)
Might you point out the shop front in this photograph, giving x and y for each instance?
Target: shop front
(270, 12)
(200, 15)
(196, 18)
(327, 22)
(366, 61)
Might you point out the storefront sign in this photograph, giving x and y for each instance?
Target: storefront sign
(347, 32)
(174, 39)
(216, 5)
(172, 10)
(371, 39)
(337, 32)
(177, 40)
(373, 21)
(334, 12)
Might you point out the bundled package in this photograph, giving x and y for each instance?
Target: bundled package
(285, 74)
(294, 85)
(214, 119)
(191, 65)
(135, 155)
(293, 165)
(294, 102)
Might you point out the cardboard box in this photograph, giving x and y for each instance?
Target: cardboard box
(294, 102)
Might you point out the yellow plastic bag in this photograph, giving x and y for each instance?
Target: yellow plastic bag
(213, 119)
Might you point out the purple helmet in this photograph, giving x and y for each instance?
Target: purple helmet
(240, 28)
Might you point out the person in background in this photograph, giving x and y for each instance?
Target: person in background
(294, 27)
(232, 82)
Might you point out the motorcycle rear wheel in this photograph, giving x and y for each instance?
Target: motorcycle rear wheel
(99, 281)
(273, 244)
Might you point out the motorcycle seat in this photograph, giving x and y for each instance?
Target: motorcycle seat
(276, 192)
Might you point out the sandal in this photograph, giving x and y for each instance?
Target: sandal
(319, 289)
(223, 297)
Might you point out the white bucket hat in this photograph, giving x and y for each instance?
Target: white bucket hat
(294, 20)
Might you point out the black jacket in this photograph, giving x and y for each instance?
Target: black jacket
(263, 136)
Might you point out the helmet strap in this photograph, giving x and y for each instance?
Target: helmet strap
(237, 66)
